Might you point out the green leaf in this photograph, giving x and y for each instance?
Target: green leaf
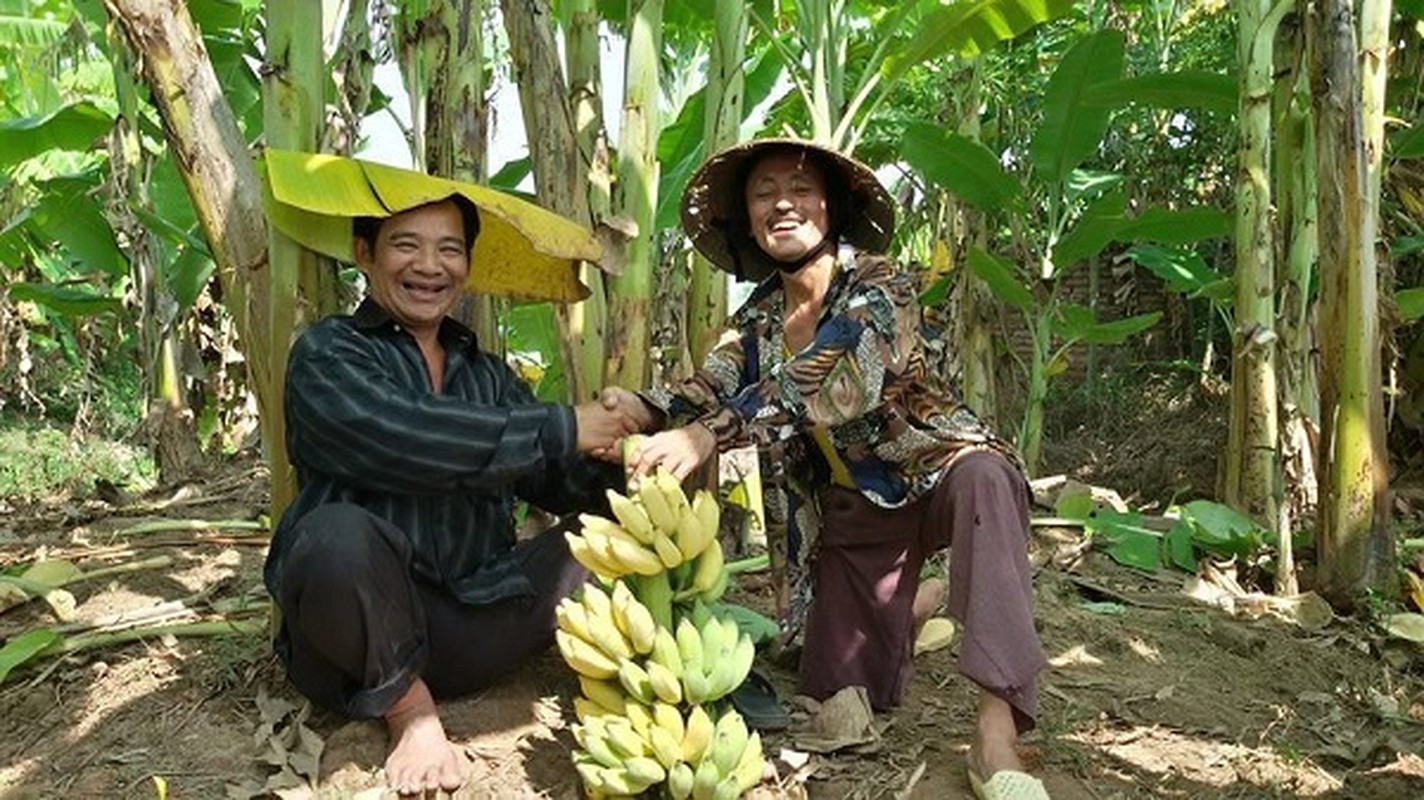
(1179, 546)
(1086, 184)
(1182, 269)
(1170, 90)
(1406, 246)
(1078, 323)
(1177, 227)
(968, 28)
(1408, 143)
(71, 217)
(937, 293)
(1071, 130)
(1076, 505)
(1411, 303)
(70, 301)
(759, 627)
(533, 335)
(1094, 230)
(30, 34)
(512, 174)
(74, 127)
(968, 169)
(1222, 530)
(1130, 544)
(1414, 9)
(1001, 277)
(24, 647)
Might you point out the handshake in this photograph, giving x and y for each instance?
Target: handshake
(605, 421)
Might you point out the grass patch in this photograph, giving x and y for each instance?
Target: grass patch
(39, 461)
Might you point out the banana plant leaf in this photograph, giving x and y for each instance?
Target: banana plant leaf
(1128, 542)
(1189, 89)
(1001, 277)
(1072, 129)
(1408, 143)
(1411, 304)
(24, 647)
(1078, 324)
(68, 301)
(1182, 269)
(966, 168)
(1185, 226)
(1094, 230)
(74, 127)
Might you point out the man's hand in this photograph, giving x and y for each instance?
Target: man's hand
(680, 450)
(620, 400)
(603, 423)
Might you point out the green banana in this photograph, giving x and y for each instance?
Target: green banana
(689, 644)
(635, 679)
(623, 740)
(680, 781)
(632, 516)
(740, 662)
(665, 684)
(705, 780)
(596, 743)
(665, 651)
(727, 789)
(751, 766)
(695, 685)
(644, 770)
(719, 587)
(617, 782)
(728, 742)
(714, 642)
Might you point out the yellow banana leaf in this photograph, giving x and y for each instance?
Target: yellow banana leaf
(523, 251)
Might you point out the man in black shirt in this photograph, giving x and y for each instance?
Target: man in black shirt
(396, 568)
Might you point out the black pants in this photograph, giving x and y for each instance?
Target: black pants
(358, 628)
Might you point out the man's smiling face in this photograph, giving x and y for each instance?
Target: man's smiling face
(786, 205)
(419, 265)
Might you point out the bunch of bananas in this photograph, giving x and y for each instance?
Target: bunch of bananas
(646, 647)
(657, 530)
(627, 750)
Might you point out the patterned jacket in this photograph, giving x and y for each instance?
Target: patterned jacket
(862, 381)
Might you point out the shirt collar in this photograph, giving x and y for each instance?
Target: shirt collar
(371, 315)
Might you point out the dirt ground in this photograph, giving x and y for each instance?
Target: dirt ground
(1149, 694)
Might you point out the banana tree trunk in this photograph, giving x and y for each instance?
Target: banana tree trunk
(169, 422)
(588, 321)
(975, 320)
(293, 84)
(456, 119)
(212, 158)
(726, 82)
(1252, 458)
(1355, 548)
(631, 292)
(1297, 390)
(559, 176)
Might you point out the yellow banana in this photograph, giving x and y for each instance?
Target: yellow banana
(585, 708)
(709, 565)
(608, 638)
(751, 766)
(633, 557)
(634, 619)
(639, 717)
(624, 740)
(582, 551)
(671, 489)
(719, 588)
(667, 717)
(618, 783)
(700, 729)
(709, 515)
(665, 684)
(573, 618)
(604, 526)
(618, 600)
(585, 658)
(680, 781)
(666, 749)
(597, 601)
(635, 679)
(665, 651)
(691, 539)
(595, 737)
(727, 789)
(668, 551)
(632, 516)
(588, 772)
(705, 780)
(663, 517)
(740, 662)
(607, 694)
(728, 742)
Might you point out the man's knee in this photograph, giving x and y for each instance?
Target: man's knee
(986, 470)
(344, 540)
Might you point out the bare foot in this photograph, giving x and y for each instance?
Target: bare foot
(421, 758)
(995, 738)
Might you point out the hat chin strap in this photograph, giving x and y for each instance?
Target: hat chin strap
(792, 267)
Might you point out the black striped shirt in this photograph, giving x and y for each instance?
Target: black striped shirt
(364, 427)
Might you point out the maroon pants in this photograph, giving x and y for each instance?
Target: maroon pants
(860, 628)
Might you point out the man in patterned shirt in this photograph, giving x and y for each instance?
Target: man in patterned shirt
(396, 568)
(881, 464)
